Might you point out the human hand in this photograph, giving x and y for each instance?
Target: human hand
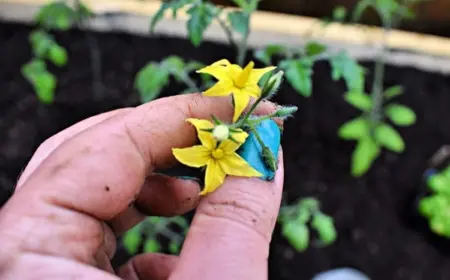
(95, 180)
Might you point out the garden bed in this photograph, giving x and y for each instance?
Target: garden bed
(378, 234)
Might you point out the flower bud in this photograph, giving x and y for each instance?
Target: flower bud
(221, 132)
(272, 85)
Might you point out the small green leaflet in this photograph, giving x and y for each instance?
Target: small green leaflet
(44, 82)
(393, 92)
(239, 21)
(355, 129)
(133, 239)
(364, 155)
(150, 80)
(359, 100)
(45, 47)
(389, 138)
(298, 73)
(158, 16)
(297, 234)
(201, 16)
(265, 55)
(345, 67)
(400, 114)
(314, 48)
(324, 225)
(56, 15)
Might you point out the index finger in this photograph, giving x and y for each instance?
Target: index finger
(101, 170)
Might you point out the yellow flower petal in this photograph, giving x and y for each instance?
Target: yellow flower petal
(206, 138)
(240, 136)
(241, 101)
(229, 147)
(196, 156)
(253, 90)
(236, 166)
(214, 177)
(218, 70)
(221, 88)
(257, 74)
(241, 80)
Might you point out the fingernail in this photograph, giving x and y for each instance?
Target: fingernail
(251, 150)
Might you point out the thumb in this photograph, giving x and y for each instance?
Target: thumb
(231, 231)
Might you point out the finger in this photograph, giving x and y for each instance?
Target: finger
(55, 141)
(97, 173)
(161, 195)
(149, 267)
(105, 166)
(234, 227)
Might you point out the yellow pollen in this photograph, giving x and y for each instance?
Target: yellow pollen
(217, 154)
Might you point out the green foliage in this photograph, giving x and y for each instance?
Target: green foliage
(339, 13)
(294, 220)
(373, 135)
(298, 74)
(390, 11)
(345, 67)
(44, 82)
(298, 65)
(239, 21)
(436, 206)
(57, 16)
(148, 233)
(152, 78)
(201, 16)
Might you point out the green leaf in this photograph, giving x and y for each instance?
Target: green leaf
(158, 16)
(56, 15)
(360, 8)
(41, 42)
(432, 205)
(324, 225)
(297, 234)
(175, 65)
(150, 80)
(298, 73)
(58, 55)
(364, 155)
(439, 184)
(241, 3)
(314, 48)
(83, 12)
(346, 67)
(400, 114)
(239, 21)
(44, 82)
(355, 129)
(265, 55)
(393, 92)
(339, 13)
(440, 225)
(151, 246)
(201, 16)
(132, 239)
(174, 247)
(389, 138)
(359, 100)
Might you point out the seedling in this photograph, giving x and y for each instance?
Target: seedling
(296, 221)
(370, 130)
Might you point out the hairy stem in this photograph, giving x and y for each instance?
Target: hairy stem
(244, 120)
(377, 87)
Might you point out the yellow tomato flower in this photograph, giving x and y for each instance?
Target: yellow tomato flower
(220, 159)
(232, 79)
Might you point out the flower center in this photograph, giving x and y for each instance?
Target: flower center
(241, 80)
(217, 154)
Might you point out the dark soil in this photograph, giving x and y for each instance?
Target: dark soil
(378, 234)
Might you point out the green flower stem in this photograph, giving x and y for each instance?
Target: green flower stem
(258, 138)
(244, 120)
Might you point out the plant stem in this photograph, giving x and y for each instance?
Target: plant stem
(190, 83)
(377, 87)
(242, 49)
(247, 115)
(227, 31)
